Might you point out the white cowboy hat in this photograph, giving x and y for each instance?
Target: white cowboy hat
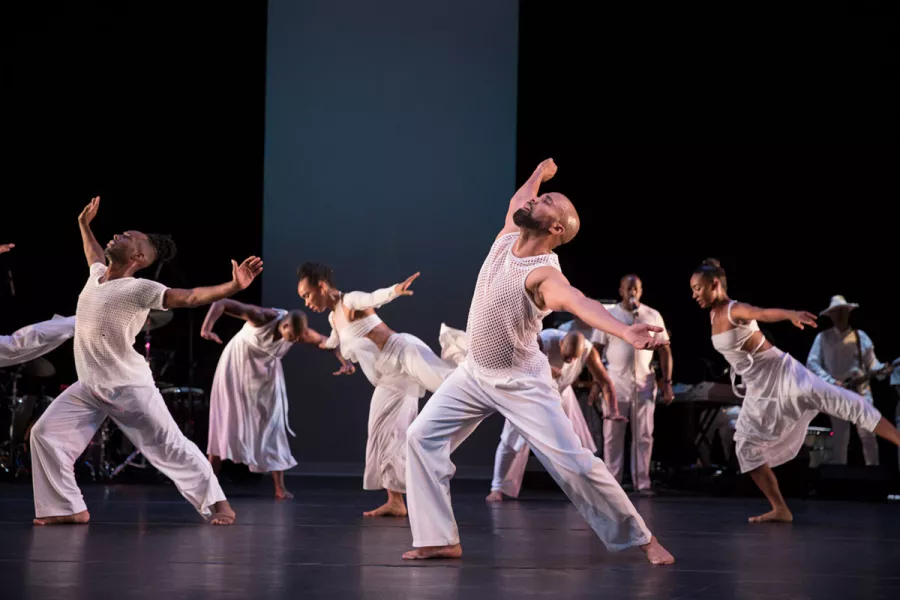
(838, 302)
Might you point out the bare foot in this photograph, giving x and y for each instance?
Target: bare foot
(779, 515)
(388, 509)
(434, 552)
(494, 496)
(76, 519)
(656, 554)
(224, 514)
(283, 495)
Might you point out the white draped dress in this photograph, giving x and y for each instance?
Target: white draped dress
(248, 405)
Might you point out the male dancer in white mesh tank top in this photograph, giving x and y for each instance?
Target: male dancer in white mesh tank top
(115, 381)
(519, 284)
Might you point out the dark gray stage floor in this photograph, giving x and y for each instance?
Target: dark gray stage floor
(145, 542)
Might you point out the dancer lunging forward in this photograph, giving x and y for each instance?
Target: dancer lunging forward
(115, 381)
(248, 403)
(399, 365)
(781, 396)
(505, 371)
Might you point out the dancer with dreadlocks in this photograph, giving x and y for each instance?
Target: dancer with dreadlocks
(115, 381)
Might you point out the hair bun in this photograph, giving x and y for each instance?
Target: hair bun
(712, 262)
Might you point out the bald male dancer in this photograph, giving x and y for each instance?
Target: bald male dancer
(505, 371)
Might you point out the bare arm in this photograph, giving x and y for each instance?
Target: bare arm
(241, 277)
(747, 312)
(255, 315)
(665, 363)
(6, 248)
(529, 190)
(601, 379)
(551, 290)
(93, 251)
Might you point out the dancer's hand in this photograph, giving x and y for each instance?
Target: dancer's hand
(6, 247)
(347, 369)
(244, 274)
(211, 336)
(89, 212)
(638, 335)
(402, 289)
(800, 318)
(547, 169)
(556, 372)
(668, 393)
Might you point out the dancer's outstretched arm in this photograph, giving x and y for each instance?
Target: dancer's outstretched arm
(378, 298)
(6, 248)
(255, 315)
(747, 312)
(551, 290)
(241, 277)
(529, 190)
(93, 251)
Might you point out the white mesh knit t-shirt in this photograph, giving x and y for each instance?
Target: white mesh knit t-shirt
(107, 321)
(503, 320)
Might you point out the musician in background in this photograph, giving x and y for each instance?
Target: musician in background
(635, 385)
(838, 355)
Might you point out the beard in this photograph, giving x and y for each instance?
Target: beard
(115, 254)
(523, 218)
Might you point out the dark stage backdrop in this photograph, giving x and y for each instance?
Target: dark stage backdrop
(668, 129)
(390, 149)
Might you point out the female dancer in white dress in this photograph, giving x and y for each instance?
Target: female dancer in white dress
(781, 396)
(248, 407)
(400, 366)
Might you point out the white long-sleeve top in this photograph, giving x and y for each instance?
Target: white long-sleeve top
(35, 340)
(834, 355)
(345, 333)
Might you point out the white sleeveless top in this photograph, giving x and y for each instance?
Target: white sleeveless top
(504, 322)
(730, 344)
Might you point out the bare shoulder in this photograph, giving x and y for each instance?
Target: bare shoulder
(544, 274)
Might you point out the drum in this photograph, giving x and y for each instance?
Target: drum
(190, 409)
(816, 441)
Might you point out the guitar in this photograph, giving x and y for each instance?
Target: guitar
(854, 382)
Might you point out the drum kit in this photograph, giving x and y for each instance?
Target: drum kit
(109, 453)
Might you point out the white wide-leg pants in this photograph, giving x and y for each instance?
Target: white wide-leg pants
(640, 412)
(406, 367)
(532, 406)
(67, 426)
(511, 457)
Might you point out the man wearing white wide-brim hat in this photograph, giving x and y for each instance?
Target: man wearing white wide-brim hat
(838, 355)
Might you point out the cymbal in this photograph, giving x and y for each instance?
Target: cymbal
(157, 319)
(39, 367)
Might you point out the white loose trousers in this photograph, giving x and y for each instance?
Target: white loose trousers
(67, 426)
(532, 406)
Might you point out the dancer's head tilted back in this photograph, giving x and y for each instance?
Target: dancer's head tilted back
(708, 283)
(315, 286)
(139, 250)
(551, 215)
(572, 346)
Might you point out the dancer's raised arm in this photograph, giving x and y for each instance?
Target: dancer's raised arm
(241, 277)
(378, 298)
(93, 251)
(551, 290)
(529, 190)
